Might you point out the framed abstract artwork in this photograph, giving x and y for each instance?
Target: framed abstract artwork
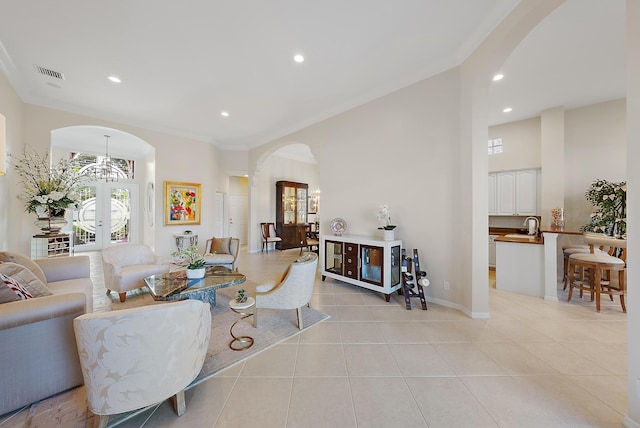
(181, 203)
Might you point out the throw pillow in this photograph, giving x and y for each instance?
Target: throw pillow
(221, 246)
(28, 279)
(20, 291)
(7, 294)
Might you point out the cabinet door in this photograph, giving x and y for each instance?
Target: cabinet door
(527, 192)
(289, 205)
(506, 193)
(371, 264)
(301, 208)
(492, 193)
(333, 257)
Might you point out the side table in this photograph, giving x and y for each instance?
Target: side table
(246, 309)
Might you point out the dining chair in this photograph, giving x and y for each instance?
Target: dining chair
(600, 267)
(269, 235)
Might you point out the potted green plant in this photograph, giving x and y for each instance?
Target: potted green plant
(609, 200)
(241, 297)
(194, 260)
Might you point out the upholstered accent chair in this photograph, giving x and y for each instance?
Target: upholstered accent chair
(125, 267)
(222, 252)
(134, 358)
(293, 291)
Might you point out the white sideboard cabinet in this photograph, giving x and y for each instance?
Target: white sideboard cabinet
(363, 261)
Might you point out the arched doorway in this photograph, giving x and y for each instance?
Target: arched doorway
(111, 210)
(289, 162)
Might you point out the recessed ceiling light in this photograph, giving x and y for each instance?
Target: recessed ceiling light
(224, 113)
(507, 110)
(298, 58)
(498, 77)
(114, 79)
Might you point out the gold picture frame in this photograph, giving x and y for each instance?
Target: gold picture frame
(182, 202)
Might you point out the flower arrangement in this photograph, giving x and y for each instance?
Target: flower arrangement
(48, 189)
(384, 216)
(610, 202)
(191, 255)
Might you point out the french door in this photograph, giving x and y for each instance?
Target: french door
(107, 215)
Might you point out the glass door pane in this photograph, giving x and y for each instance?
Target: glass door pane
(119, 214)
(333, 257)
(84, 220)
(395, 265)
(289, 205)
(302, 206)
(371, 264)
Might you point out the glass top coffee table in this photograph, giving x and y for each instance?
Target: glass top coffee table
(175, 285)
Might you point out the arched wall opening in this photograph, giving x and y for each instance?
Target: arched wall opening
(137, 212)
(288, 161)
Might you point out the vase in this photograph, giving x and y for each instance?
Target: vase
(196, 273)
(51, 225)
(389, 235)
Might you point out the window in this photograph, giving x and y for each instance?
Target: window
(495, 146)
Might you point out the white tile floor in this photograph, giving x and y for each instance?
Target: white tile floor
(375, 364)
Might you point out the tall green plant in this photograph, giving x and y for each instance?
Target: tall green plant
(610, 208)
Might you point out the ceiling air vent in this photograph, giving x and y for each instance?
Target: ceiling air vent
(49, 73)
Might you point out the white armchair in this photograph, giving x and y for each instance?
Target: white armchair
(133, 358)
(125, 267)
(293, 291)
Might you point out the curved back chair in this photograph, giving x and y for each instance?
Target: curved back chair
(133, 358)
(125, 267)
(293, 291)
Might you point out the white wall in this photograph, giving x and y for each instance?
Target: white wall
(11, 209)
(595, 147)
(521, 145)
(198, 164)
(400, 149)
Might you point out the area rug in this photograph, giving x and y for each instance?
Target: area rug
(275, 326)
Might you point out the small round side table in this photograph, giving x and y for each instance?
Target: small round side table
(246, 309)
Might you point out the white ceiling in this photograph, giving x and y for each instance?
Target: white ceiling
(182, 63)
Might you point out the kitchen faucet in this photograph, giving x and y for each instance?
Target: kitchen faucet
(526, 224)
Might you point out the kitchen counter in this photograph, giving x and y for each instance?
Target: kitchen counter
(520, 238)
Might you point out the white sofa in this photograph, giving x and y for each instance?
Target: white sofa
(37, 345)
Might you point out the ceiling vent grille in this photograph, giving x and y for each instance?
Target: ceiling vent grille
(49, 73)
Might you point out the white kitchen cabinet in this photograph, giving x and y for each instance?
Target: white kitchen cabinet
(506, 193)
(513, 192)
(492, 193)
(526, 192)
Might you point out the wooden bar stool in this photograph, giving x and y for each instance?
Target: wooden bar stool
(597, 263)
